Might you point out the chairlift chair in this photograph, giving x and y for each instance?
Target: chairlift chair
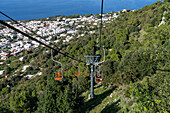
(76, 74)
(98, 80)
(98, 77)
(59, 74)
(85, 72)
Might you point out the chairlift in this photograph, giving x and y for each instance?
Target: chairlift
(98, 80)
(98, 77)
(77, 74)
(59, 74)
(85, 72)
(88, 74)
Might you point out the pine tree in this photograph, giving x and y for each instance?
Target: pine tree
(59, 97)
(166, 0)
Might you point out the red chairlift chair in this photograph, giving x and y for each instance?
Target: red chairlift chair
(58, 76)
(76, 74)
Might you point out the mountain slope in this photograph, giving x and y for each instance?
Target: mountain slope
(135, 71)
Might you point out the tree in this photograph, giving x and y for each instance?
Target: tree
(58, 97)
(166, 0)
(23, 100)
(135, 65)
(90, 48)
(108, 69)
(7, 70)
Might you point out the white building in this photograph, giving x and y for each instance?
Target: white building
(27, 46)
(25, 67)
(71, 32)
(29, 76)
(63, 35)
(1, 72)
(56, 41)
(22, 58)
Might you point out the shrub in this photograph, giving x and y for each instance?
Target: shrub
(134, 66)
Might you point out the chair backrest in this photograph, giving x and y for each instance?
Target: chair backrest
(76, 73)
(85, 72)
(98, 74)
(88, 74)
(58, 74)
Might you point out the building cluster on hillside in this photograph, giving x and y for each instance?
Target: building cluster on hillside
(63, 28)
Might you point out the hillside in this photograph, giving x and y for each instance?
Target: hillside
(135, 71)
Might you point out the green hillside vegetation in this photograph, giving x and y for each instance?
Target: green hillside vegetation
(135, 71)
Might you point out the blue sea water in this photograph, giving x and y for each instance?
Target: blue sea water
(35, 9)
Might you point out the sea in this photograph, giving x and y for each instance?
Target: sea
(36, 9)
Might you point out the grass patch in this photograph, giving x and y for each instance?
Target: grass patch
(90, 104)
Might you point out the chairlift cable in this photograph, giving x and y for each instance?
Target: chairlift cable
(17, 22)
(101, 24)
(24, 27)
(17, 30)
(20, 24)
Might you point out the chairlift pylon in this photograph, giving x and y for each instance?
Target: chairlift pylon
(77, 73)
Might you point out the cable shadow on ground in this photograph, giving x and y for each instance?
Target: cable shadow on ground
(89, 105)
(113, 108)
